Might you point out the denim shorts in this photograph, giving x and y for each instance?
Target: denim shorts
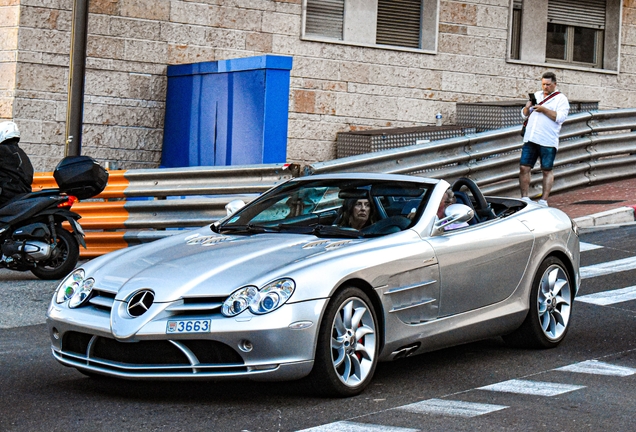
(530, 152)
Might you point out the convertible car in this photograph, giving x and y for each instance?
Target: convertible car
(323, 277)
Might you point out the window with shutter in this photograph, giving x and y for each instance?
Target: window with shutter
(575, 31)
(578, 33)
(405, 24)
(325, 18)
(577, 13)
(399, 22)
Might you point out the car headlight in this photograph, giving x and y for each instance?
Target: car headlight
(69, 286)
(82, 295)
(267, 299)
(272, 296)
(239, 301)
(74, 289)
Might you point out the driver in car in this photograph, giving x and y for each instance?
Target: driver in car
(357, 213)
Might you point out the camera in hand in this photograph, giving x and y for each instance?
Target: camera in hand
(533, 99)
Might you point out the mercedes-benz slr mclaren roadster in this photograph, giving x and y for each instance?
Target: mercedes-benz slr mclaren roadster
(322, 277)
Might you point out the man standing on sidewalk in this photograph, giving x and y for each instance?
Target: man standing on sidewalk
(542, 122)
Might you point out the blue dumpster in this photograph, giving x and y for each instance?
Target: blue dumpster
(227, 112)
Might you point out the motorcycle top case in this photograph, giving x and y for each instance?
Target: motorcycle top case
(80, 176)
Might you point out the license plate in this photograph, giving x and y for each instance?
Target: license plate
(77, 227)
(188, 326)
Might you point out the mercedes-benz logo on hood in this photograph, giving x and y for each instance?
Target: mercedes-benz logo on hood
(140, 302)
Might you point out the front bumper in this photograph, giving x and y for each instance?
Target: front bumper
(265, 347)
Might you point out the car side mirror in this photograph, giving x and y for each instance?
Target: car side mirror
(459, 213)
(455, 213)
(234, 206)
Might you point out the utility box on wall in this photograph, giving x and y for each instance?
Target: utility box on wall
(227, 112)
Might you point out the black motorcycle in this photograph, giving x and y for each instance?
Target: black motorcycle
(32, 237)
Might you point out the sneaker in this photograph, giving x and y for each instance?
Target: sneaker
(526, 199)
(543, 203)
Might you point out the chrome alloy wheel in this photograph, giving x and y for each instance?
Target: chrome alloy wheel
(554, 302)
(353, 342)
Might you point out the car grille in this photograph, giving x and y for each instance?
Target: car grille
(102, 300)
(145, 353)
(150, 357)
(197, 306)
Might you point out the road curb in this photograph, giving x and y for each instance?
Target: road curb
(609, 217)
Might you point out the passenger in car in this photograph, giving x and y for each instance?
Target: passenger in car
(356, 213)
(448, 199)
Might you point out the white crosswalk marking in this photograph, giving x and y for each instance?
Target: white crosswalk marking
(536, 388)
(609, 297)
(451, 408)
(589, 246)
(609, 267)
(345, 426)
(598, 368)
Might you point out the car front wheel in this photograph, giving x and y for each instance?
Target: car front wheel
(348, 343)
(551, 300)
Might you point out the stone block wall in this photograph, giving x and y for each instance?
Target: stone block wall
(334, 87)
(9, 20)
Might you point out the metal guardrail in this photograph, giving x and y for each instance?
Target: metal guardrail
(139, 206)
(218, 180)
(595, 146)
(137, 201)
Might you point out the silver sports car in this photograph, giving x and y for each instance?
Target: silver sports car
(322, 277)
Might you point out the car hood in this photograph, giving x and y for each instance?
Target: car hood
(207, 264)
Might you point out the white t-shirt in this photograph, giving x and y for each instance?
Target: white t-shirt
(540, 128)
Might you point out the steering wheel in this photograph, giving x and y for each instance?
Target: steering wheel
(482, 207)
(388, 225)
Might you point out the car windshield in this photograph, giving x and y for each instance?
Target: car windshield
(332, 208)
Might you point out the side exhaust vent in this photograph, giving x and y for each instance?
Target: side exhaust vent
(405, 351)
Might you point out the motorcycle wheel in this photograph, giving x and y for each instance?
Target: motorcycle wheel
(64, 258)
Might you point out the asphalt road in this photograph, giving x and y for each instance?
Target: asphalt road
(587, 383)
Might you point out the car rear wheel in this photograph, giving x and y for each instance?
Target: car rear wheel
(348, 343)
(549, 317)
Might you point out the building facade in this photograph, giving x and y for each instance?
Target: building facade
(358, 64)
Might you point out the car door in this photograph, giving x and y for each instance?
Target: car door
(412, 289)
(482, 264)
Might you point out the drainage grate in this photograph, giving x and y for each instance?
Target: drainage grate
(599, 202)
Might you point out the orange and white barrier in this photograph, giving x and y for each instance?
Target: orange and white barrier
(138, 206)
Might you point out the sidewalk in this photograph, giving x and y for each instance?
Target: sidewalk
(608, 203)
